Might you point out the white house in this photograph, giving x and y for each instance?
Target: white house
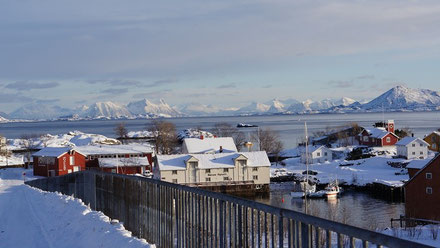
(226, 169)
(316, 154)
(208, 145)
(412, 148)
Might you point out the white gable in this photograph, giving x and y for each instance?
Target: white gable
(408, 140)
(209, 145)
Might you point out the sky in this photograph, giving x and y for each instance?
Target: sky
(225, 53)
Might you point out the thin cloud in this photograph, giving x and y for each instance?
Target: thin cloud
(8, 98)
(114, 91)
(341, 84)
(227, 86)
(26, 85)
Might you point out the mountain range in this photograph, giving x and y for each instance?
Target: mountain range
(399, 98)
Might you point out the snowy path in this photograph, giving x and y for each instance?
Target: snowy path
(33, 218)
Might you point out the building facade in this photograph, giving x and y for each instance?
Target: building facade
(316, 154)
(412, 148)
(222, 169)
(57, 161)
(124, 165)
(433, 139)
(422, 192)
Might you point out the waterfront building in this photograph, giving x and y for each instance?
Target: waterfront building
(378, 136)
(234, 171)
(412, 148)
(422, 192)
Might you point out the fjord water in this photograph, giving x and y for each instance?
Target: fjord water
(290, 127)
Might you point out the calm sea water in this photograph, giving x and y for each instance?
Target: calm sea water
(290, 127)
(354, 208)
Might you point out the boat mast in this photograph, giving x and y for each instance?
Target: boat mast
(307, 166)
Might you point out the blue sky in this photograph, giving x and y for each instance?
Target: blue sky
(226, 53)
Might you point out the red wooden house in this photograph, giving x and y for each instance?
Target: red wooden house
(422, 192)
(378, 136)
(57, 161)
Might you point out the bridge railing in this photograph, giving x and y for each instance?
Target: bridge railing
(172, 215)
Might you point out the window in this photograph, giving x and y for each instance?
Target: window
(225, 178)
(72, 160)
(192, 165)
(434, 146)
(208, 179)
(413, 153)
(388, 139)
(429, 190)
(208, 171)
(225, 170)
(254, 169)
(318, 154)
(241, 162)
(421, 145)
(365, 138)
(413, 145)
(325, 153)
(421, 153)
(255, 177)
(174, 172)
(428, 175)
(174, 180)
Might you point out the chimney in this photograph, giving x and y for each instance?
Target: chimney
(412, 135)
(221, 149)
(201, 137)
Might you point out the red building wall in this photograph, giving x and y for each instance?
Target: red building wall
(61, 165)
(127, 170)
(393, 140)
(377, 142)
(419, 204)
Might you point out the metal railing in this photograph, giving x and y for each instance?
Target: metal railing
(172, 215)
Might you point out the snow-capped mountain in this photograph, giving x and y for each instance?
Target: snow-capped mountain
(197, 109)
(105, 110)
(254, 108)
(276, 106)
(3, 119)
(401, 98)
(310, 106)
(39, 112)
(146, 108)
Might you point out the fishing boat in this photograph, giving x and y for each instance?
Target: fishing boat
(332, 190)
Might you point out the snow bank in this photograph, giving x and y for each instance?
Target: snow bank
(140, 134)
(428, 235)
(11, 161)
(35, 218)
(194, 133)
(74, 138)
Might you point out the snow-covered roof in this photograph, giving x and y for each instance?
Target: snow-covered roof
(408, 140)
(418, 163)
(52, 152)
(377, 132)
(312, 148)
(209, 145)
(211, 161)
(123, 162)
(114, 149)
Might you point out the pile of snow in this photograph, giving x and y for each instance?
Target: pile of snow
(427, 235)
(34, 218)
(140, 134)
(74, 138)
(194, 133)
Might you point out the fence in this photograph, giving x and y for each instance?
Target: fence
(171, 215)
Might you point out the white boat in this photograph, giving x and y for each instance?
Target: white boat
(332, 190)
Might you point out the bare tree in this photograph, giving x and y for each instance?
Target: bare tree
(120, 130)
(29, 143)
(224, 129)
(165, 136)
(269, 141)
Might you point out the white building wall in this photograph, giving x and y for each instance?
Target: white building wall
(319, 156)
(416, 150)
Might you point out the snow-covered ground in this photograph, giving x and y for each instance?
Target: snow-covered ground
(428, 235)
(11, 160)
(33, 218)
(362, 172)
